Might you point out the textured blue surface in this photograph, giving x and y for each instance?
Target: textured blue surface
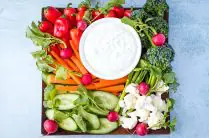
(20, 83)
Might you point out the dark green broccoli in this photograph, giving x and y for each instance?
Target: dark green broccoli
(159, 24)
(160, 57)
(140, 14)
(156, 8)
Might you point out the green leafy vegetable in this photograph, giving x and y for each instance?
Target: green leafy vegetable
(61, 73)
(160, 57)
(44, 67)
(80, 122)
(87, 16)
(86, 3)
(39, 38)
(49, 92)
(60, 116)
(169, 77)
(156, 8)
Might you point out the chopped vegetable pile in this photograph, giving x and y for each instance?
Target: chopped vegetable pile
(77, 101)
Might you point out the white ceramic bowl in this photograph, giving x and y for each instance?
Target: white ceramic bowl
(98, 43)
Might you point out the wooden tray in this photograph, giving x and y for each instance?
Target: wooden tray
(119, 131)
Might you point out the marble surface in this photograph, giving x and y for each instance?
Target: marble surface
(20, 83)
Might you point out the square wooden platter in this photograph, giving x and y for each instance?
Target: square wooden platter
(119, 131)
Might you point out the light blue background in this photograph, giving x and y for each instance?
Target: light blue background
(20, 81)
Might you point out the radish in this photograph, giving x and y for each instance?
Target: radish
(112, 116)
(82, 25)
(66, 53)
(50, 126)
(143, 88)
(86, 79)
(141, 129)
(158, 39)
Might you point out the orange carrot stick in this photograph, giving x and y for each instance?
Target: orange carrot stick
(113, 89)
(72, 65)
(52, 79)
(62, 62)
(74, 49)
(107, 83)
(73, 88)
(79, 65)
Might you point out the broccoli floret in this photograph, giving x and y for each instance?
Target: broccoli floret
(156, 7)
(160, 57)
(140, 14)
(159, 24)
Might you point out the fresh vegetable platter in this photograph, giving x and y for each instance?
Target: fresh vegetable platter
(75, 101)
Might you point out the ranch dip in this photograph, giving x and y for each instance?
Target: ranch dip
(110, 49)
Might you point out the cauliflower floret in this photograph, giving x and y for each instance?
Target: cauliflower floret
(131, 88)
(143, 114)
(129, 123)
(159, 103)
(154, 119)
(148, 105)
(130, 101)
(140, 102)
(161, 88)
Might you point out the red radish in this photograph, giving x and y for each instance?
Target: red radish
(82, 8)
(97, 15)
(66, 53)
(158, 39)
(143, 88)
(50, 126)
(80, 15)
(46, 26)
(141, 129)
(112, 116)
(86, 79)
(128, 13)
(119, 11)
(82, 25)
(55, 49)
(111, 14)
(71, 15)
(52, 14)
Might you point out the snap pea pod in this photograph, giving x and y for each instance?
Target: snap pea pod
(136, 74)
(141, 76)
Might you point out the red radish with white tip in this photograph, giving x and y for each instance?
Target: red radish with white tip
(143, 88)
(66, 53)
(82, 25)
(50, 126)
(128, 13)
(158, 39)
(112, 116)
(141, 129)
(86, 79)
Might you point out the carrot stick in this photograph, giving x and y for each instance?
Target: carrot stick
(72, 88)
(72, 65)
(74, 49)
(107, 83)
(113, 89)
(62, 62)
(52, 79)
(79, 65)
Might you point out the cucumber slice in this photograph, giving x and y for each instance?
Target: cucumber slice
(98, 111)
(105, 127)
(50, 114)
(104, 99)
(68, 124)
(91, 118)
(65, 101)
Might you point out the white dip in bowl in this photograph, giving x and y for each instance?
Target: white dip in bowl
(110, 49)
